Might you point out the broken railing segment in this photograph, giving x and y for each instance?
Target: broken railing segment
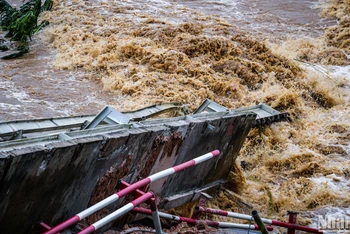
(156, 214)
(194, 221)
(154, 110)
(210, 106)
(265, 114)
(249, 218)
(110, 116)
(18, 129)
(113, 198)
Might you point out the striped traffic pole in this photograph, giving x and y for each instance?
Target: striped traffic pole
(248, 217)
(116, 214)
(194, 221)
(105, 202)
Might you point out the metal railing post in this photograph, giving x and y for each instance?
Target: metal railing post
(292, 220)
(259, 222)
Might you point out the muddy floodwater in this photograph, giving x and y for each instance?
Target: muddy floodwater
(33, 86)
(130, 54)
(278, 19)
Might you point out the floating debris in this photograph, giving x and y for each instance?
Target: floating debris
(22, 50)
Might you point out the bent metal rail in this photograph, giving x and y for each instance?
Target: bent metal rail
(266, 221)
(195, 221)
(113, 198)
(156, 215)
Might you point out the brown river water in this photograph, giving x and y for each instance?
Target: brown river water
(130, 54)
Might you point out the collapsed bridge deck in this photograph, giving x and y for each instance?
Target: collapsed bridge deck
(51, 178)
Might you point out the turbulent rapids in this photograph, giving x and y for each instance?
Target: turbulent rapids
(162, 51)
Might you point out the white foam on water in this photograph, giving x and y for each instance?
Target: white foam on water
(335, 183)
(340, 71)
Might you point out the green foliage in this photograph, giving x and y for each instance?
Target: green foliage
(31, 5)
(43, 24)
(23, 27)
(23, 23)
(7, 14)
(47, 6)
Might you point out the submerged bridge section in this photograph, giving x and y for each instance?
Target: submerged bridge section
(52, 177)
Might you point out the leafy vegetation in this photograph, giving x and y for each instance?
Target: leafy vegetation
(23, 23)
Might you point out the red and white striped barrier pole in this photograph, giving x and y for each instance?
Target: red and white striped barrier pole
(116, 214)
(267, 221)
(210, 223)
(105, 202)
(230, 214)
